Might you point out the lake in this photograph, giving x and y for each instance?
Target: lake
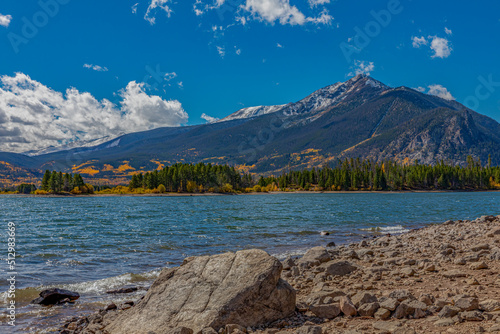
(93, 244)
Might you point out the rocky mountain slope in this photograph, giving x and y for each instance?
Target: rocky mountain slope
(361, 117)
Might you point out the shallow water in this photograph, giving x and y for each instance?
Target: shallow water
(94, 244)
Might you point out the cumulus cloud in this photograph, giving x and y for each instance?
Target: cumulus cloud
(134, 8)
(440, 91)
(154, 6)
(419, 41)
(441, 47)
(96, 67)
(362, 67)
(5, 20)
(34, 116)
(448, 31)
(209, 119)
(281, 11)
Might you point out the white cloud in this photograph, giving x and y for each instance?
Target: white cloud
(420, 89)
(419, 41)
(5, 20)
(441, 47)
(209, 119)
(278, 45)
(362, 67)
(96, 67)
(222, 51)
(313, 3)
(237, 51)
(153, 7)
(281, 11)
(180, 84)
(134, 8)
(440, 91)
(448, 31)
(34, 116)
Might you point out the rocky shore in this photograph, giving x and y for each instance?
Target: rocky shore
(439, 279)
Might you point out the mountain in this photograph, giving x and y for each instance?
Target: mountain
(361, 117)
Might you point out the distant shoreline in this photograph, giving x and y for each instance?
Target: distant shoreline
(253, 193)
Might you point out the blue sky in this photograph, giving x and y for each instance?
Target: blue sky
(187, 58)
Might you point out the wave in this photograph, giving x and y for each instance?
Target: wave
(396, 229)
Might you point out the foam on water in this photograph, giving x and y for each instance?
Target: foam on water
(396, 229)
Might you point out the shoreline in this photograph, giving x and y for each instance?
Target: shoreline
(301, 192)
(438, 277)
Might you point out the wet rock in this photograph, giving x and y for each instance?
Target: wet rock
(55, 296)
(110, 307)
(330, 244)
(126, 289)
(210, 291)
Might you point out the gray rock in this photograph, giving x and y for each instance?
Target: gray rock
(401, 295)
(489, 305)
(339, 268)
(315, 255)
(241, 288)
(288, 263)
(327, 311)
(467, 303)
(448, 311)
(347, 307)
(471, 316)
(363, 297)
(368, 310)
(389, 303)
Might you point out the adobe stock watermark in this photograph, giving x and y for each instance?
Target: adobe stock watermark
(484, 90)
(229, 6)
(364, 36)
(250, 147)
(31, 27)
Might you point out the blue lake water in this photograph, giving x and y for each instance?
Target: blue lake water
(91, 244)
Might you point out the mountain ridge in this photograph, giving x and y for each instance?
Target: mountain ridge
(361, 117)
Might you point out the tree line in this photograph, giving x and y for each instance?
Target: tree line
(198, 177)
(58, 182)
(356, 174)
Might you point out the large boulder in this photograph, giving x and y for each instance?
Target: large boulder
(242, 288)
